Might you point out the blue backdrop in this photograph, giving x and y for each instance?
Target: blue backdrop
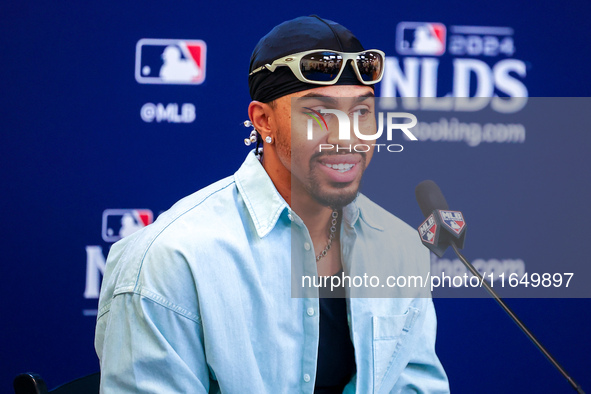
(87, 145)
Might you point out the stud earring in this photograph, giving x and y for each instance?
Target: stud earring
(268, 139)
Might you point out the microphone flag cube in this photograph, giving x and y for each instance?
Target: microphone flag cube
(441, 228)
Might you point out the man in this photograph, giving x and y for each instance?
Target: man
(206, 299)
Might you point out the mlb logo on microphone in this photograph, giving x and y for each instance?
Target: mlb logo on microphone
(428, 230)
(454, 220)
(119, 223)
(420, 38)
(168, 61)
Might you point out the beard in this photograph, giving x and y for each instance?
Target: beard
(333, 195)
(331, 199)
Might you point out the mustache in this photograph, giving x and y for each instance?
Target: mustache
(331, 152)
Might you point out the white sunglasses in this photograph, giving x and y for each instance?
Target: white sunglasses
(325, 66)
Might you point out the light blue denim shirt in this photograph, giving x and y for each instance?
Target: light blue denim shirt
(201, 300)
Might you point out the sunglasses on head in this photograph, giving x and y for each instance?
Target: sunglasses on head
(324, 66)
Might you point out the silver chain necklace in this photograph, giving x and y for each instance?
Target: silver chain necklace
(333, 230)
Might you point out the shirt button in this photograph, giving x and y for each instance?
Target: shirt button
(306, 378)
(310, 311)
(290, 217)
(307, 246)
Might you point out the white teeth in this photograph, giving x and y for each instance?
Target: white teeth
(340, 167)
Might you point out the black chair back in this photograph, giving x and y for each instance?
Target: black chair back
(32, 383)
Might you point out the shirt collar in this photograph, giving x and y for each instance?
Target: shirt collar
(263, 201)
(265, 204)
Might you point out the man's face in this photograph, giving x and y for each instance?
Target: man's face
(331, 178)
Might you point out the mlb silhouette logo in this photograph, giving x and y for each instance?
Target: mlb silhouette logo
(119, 223)
(428, 230)
(420, 38)
(454, 220)
(163, 61)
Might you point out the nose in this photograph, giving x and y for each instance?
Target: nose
(334, 134)
(340, 129)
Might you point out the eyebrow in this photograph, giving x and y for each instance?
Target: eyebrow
(333, 100)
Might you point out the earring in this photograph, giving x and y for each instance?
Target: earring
(268, 139)
(252, 138)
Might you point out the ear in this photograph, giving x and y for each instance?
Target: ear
(260, 115)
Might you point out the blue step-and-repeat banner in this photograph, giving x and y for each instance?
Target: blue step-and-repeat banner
(112, 111)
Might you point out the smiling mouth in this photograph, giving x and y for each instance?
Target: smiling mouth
(341, 167)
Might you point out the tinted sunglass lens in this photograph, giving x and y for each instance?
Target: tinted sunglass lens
(370, 65)
(321, 66)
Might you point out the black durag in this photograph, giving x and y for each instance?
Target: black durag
(297, 35)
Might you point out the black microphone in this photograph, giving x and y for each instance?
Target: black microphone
(444, 228)
(441, 227)
(429, 197)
